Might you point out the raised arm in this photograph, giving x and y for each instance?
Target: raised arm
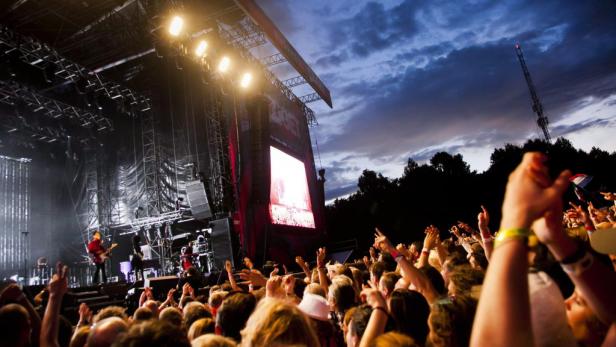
(410, 273)
(58, 286)
(487, 240)
(430, 241)
(378, 317)
(503, 313)
(302, 264)
(229, 270)
(321, 253)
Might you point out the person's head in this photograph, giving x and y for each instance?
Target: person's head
(211, 340)
(153, 306)
(234, 312)
(155, 333)
(110, 311)
(142, 314)
(410, 310)
(96, 235)
(314, 288)
(435, 277)
(14, 326)
(586, 326)
(415, 249)
(394, 339)
(357, 325)
(451, 322)
(106, 331)
(341, 295)
(136, 240)
(453, 260)
(335, 270)
(463, 278)
(194, 311)
(192, 271)
(298, 288)
(387, 283)
(358, 278)
(376, 271)
(275, 322)
(216, 298)
(201, 327)
(80, 337)
(477, 259)
(171, 315)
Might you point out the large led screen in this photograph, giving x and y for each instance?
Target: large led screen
(289, 197)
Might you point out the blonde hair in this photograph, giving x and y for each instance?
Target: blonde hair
(277, 322)
(394, 339)
(201, 327)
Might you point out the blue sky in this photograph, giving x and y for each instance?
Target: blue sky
(411, 78)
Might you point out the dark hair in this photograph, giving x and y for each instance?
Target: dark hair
(155, 333)
(464, 277)
(377, 268)
(234, 312)
(299, 287)
(14, 322)
(435, 278)
(390, 262)
(480, 258)
(452, 321)
(359, 320)
(410, 311)
(136, 239)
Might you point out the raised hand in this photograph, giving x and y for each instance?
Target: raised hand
(254, 277)
(455, 231)
(609, 196)
(321, 254)
(382, 242)
(432, 238)
(579, 213)
(367, 262)
(170, 294)
(273, 287)
(228, 267)
(187, 289)
(530, 192)
(85, 314)
(300, 261)
(58, 286)
(374, 298)
(483, 220)
(274, 272)
(288, 282)
(402, 249)
(148, 293)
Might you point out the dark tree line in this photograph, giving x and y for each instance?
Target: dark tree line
(446, 190)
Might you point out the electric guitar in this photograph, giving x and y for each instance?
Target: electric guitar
(99, 258)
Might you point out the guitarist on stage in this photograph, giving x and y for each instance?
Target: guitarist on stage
(98, 253)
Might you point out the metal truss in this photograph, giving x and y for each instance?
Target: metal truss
(90, 215)
(245, 53)
(12, 93)
(308, 98)
(41, 55)
(294, 82)
(246, 34)
(148, 222)
(218, 149)
(150, 164)
(273, 59)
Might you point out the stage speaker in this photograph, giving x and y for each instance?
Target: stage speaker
(197, 200)
(221, 243)
(161, 285)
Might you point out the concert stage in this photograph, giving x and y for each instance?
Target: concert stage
(165, 122)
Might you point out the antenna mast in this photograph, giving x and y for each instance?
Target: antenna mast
(542, 120)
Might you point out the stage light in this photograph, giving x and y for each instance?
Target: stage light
(246, 79)
(201, 47)
(224, 64)
(176, 26)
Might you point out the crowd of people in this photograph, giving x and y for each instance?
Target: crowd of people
(466, 287)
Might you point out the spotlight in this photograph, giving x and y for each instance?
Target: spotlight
(201, 47)
(176, 26)
(246, 79)
(224, 64)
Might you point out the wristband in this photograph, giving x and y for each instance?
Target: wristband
(576, 256)
(581, 265)
(425, 250)
(379, 308)
(394, 254)
(510, 234)
(589, 228)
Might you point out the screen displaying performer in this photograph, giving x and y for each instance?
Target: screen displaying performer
(289, 196)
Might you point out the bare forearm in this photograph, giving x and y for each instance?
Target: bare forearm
(376, 326)
(323, 279)
(417, 278)
(506, 288)
(49, 328)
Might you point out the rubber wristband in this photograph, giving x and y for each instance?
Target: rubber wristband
(579, 266)
(394, 254)
(379, 308)
(511, 234)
